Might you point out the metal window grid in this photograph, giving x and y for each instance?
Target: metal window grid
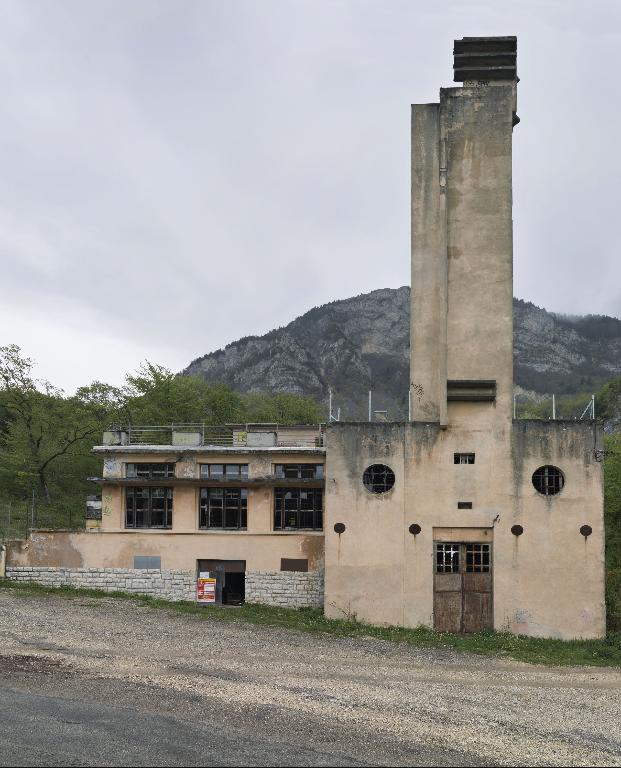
(447, 558)
(148, 507)
(378, 478)
(298, 508)
(224, 508)
(150, 470)
(299, 471)
(548, 480)
(477, 558)
(224, 471)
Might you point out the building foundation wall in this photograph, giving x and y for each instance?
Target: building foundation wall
(284, 589)
(168, 585)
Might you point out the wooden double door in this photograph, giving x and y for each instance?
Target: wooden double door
(462, 587)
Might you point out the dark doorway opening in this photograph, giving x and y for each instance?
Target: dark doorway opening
(230, 578)
(233, 591)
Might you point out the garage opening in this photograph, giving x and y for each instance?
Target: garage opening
(230, 576)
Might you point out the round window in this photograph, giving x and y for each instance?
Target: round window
(548, 480)
(378, 478)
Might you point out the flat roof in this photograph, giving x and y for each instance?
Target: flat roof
(237, 450)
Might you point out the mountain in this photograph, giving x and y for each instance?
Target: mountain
(361, 344)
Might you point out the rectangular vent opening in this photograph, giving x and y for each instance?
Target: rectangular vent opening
(294, 564)
(471, 390)
(464, 505)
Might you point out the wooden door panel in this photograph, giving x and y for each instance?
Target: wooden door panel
(447, 611)
(447, 582)
(477, 582)
(477, 611)
(463, 597)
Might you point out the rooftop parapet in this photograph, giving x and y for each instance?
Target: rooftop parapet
(227, 435)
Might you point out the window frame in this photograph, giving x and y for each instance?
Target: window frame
(283, 515)
(168, 470)
(464, 458)
(447, 557)
(371, 482)
(451, 557)
(280, 471)
(553, 485)
(134, 493)
(205, 471)
(206, 511)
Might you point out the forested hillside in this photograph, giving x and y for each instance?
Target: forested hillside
(362, 343)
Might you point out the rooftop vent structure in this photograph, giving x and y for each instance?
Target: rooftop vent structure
(485, 58)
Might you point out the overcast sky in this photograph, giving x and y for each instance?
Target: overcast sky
(175, 175)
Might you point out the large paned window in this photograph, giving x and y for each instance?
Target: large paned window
(224, 471)
(224, 508)
(298, 508)
(148, 507)
(150, 471)
(299, 471)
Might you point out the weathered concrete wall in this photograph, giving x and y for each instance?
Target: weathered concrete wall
(284, 588)
(462, 250)
(168, 585)
(178, 551)
(186, 498)
(547, 582)
(429, 267)
(477, 126)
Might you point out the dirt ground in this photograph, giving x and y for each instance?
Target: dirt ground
(107, 682)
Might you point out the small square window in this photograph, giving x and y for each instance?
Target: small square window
(463, 458)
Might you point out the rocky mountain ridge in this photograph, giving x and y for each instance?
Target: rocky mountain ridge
(362, 343)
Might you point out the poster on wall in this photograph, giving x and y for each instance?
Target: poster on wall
(205, 588)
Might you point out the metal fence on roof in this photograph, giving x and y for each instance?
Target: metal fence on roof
(230, 435)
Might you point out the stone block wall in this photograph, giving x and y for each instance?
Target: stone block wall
(288, 589)
(280, 588)
(168, 585)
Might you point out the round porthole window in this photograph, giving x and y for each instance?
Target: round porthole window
(378, 478)
(548, 480)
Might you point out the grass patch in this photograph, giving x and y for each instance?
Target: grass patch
(600, 653)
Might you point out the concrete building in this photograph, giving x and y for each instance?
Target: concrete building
(241, 504)
(460, 519)
(464, 519)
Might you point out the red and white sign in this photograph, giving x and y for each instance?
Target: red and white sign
(205, 589)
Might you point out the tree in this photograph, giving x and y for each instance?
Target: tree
(156, 396)
(283, 408)
(43, 428)
(46, 437)
(612, 517)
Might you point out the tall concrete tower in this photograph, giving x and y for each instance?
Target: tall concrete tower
(461, 321)
(463, 519)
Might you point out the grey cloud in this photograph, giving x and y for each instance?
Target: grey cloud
(179, 174)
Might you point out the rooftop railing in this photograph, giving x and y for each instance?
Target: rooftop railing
(228, 435)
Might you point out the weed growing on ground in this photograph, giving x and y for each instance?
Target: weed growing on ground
(533, 650)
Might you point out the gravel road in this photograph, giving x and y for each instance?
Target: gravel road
(108, 682)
